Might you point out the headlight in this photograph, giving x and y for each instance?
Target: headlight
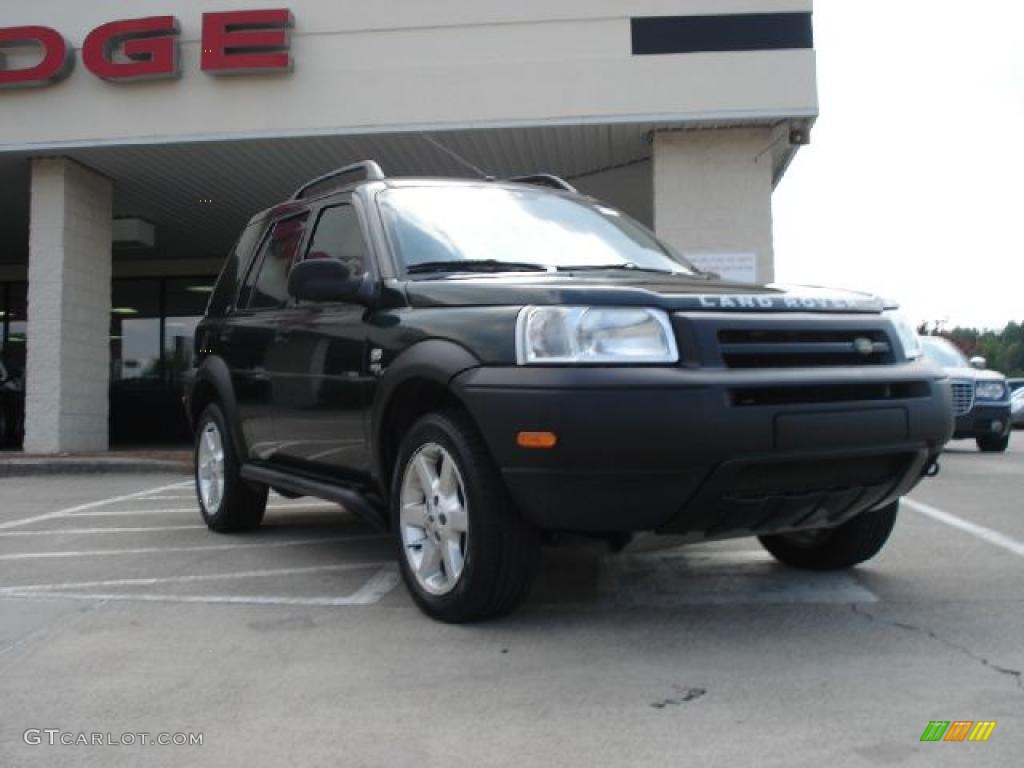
(990, 390)
(906, 333)
(594, 335)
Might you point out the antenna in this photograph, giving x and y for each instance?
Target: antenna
(456, 156)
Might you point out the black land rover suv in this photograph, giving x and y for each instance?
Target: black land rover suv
(474, 364)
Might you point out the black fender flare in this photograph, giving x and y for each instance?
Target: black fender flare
(214, 372)
(435, 360)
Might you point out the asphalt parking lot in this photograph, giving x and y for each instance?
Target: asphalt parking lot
(296, 645)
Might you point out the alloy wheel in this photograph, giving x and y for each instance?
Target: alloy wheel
(434, 519)
(210, 468)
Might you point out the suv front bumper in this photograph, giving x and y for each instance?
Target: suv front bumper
(710, 453)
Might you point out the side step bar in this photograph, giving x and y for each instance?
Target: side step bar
(308, 486)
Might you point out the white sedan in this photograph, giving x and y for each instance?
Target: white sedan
(1017, 408)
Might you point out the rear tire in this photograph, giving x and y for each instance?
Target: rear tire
(831, 549)
(227, 503)
(993, 444)
(465, 551)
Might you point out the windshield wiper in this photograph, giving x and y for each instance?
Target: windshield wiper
(628, 265)
(475, 265)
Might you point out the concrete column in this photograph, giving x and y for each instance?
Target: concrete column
(713, 192)
(69, 266)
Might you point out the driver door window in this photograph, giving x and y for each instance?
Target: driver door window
(338, 236)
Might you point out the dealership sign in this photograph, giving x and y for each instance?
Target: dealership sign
(237, 42)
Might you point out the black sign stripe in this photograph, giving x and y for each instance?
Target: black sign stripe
(737, 32)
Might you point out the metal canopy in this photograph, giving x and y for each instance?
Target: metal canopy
(200, 194)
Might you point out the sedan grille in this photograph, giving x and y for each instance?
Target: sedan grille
(963, 397)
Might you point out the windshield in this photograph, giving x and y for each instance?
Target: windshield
(943, 353)
(527, 229)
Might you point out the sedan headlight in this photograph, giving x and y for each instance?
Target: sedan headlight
(906, 333)
(582, 335)
(990, 390)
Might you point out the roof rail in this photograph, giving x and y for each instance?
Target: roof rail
(545, 180)
(370, 170)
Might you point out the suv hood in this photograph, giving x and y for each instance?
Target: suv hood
(670, 292)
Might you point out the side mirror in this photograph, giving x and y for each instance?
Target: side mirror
(979, 362)
(327, 280)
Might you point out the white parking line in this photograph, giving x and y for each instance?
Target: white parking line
(90, 505)
(373, 591)
(136, 512)
(311, 505)
(194, 577)
(85, 531)
(978, 531)
(200, 548)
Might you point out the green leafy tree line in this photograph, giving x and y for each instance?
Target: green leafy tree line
(1004, 350)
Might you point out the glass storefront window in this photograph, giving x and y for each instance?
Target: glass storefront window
(135, 333)
(12, 359)
(153, 324)
(16, 321)
(152, 328)
(185, 301)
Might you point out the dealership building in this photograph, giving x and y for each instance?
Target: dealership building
(133, 150)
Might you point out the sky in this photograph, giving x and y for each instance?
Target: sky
(913, 185)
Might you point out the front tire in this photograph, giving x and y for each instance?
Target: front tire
(838, 548)
(994, 444)
(227, 503)
(465, 551)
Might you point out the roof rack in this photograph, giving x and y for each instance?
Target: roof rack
(545, 180)
(370, 170)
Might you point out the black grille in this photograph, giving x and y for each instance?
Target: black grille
(829, 393)
(803, 348)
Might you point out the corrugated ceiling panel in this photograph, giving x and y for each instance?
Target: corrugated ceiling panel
(168, 184)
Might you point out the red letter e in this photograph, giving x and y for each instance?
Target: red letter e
(242, 42)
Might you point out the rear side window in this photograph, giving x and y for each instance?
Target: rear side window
(269, 282)
(338, 236)
(231, 275)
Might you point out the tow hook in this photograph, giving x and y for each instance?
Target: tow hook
(932, 469)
